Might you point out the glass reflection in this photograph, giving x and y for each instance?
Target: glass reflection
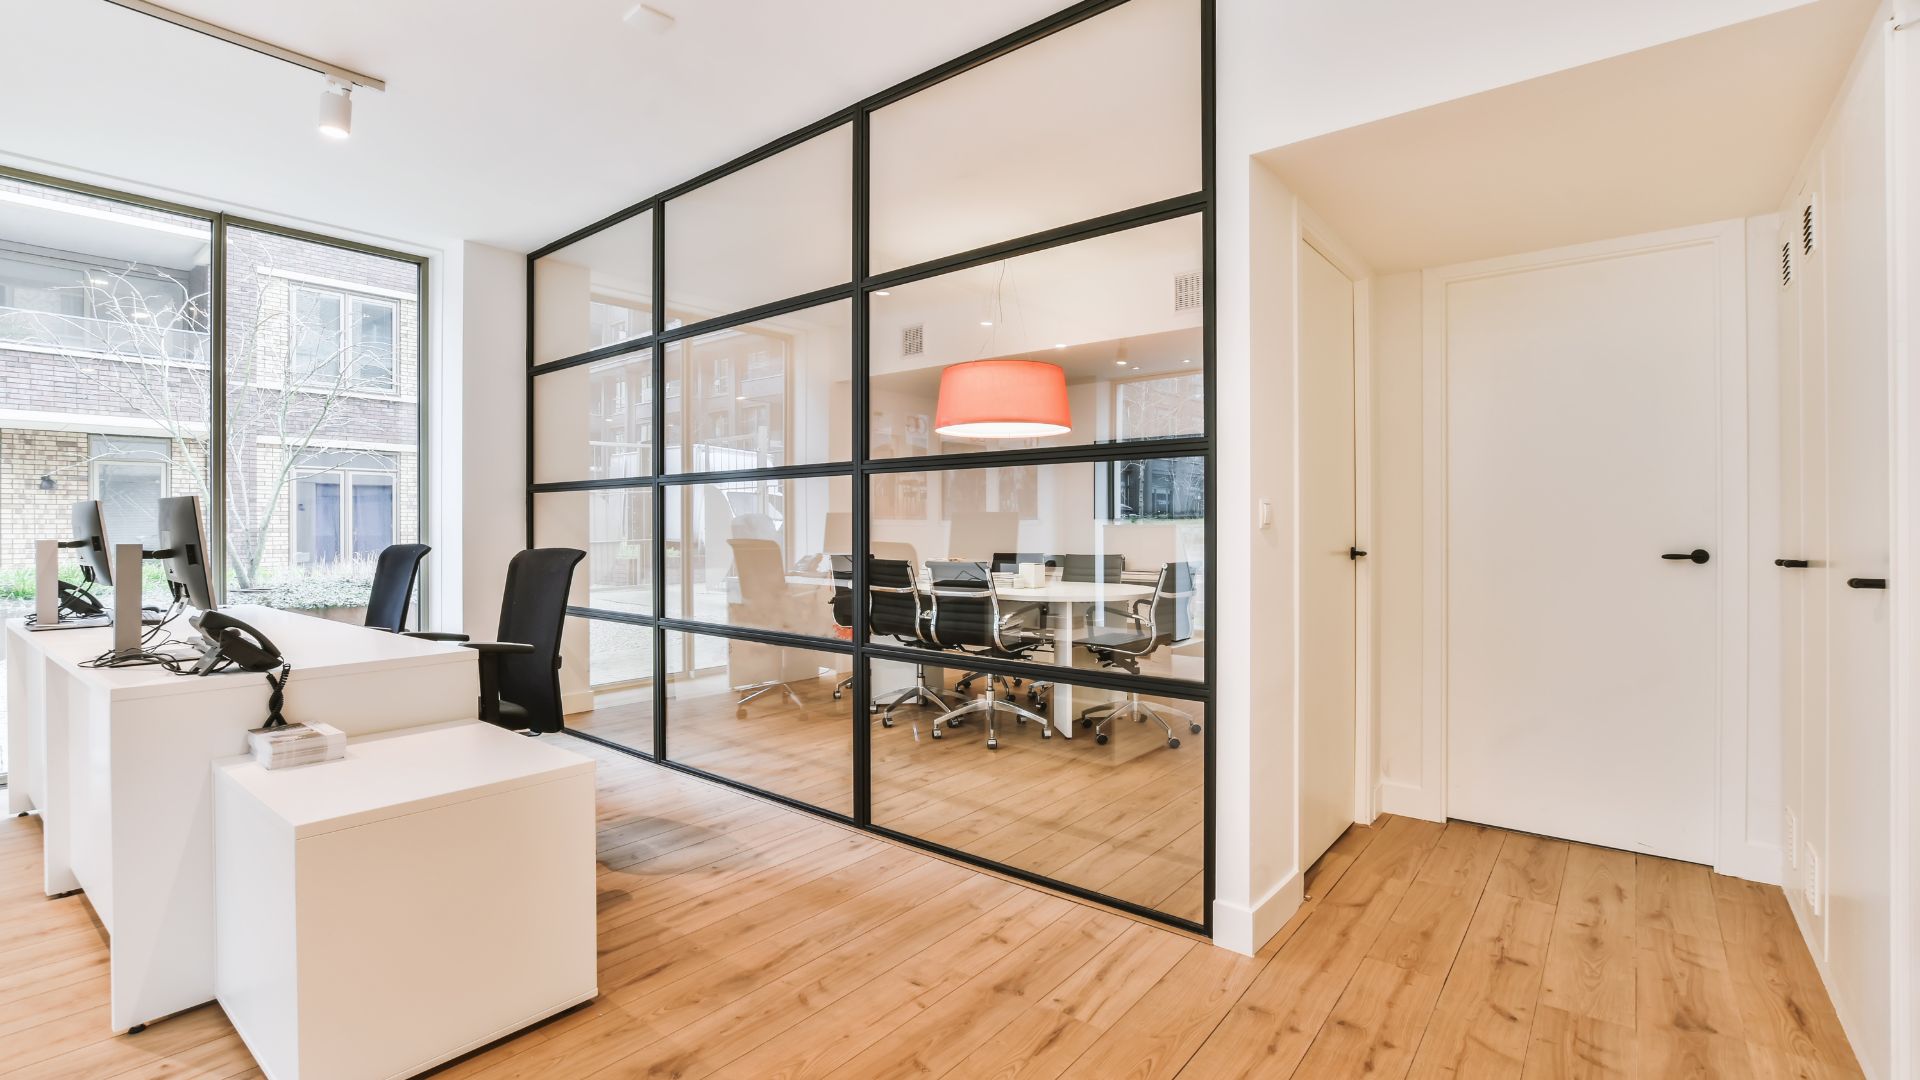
(594, 421)
(1098, 795)
(606, 680)
(1120, 314)
(758, 552)
(595, 292)
(615, 529)
(776, 718)
(776, 392)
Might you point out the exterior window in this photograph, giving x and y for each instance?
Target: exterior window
(343, 512)
(129, 477)
(338, 336)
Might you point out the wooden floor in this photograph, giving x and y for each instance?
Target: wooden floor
(742, 939)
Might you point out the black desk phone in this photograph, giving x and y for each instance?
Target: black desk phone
(230, 641)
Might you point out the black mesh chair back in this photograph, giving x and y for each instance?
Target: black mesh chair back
(842, 601)
(1092, 567)
(963, 608)
(893, 603)
(534, 612)
(393, 577)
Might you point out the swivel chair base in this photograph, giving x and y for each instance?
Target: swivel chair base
(1099, 716)
(920, 693)
(748, 693)
(991, 704)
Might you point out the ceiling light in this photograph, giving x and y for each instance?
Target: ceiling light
(1119, 363)
(1003, 399)
(986, 322)
(742, 397)
(336, 110)
(1060, 345)
(881, 292)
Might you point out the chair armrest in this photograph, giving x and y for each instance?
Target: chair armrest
(435, 635)
(506, 648)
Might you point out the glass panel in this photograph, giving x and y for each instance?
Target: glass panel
(776, 392)
(1120, 315)
(1097, 565)
(615, 529)
(323, 411)
(606, 679)
(103, 374)
(1106, 803)
(757, 552)
(594, 292)
(1100, 117)
(594, 421)
(776, 718)
(777, 228)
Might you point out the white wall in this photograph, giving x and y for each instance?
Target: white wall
(486, 431)
(1905, 575)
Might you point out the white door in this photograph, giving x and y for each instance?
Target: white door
(1583, 450)
(1327, 663)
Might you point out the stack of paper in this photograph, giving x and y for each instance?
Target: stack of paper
(296, 744)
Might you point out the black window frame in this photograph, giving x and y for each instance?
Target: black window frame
(863, 466)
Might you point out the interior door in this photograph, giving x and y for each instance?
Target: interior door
(1327, 659)
(1583, 452)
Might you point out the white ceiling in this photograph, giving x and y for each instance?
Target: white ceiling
(1702, 129)
(510, 123)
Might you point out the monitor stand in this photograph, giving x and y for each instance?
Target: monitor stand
(46, 593)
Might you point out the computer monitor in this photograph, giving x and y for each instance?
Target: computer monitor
(183, 550)
(90, 542)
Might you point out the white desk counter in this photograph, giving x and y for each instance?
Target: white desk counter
(116, 761)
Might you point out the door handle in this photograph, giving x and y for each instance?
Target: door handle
(1697, 555)
(1866, 583)
(1355, 553)
(1792, 564)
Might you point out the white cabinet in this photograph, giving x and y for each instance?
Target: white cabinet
(425, 895)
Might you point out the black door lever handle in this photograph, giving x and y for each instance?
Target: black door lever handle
(1866, 583)
(1792, 564)
(1355, 553)
(1697, 555)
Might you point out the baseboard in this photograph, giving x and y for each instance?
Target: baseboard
(1244, 929)
(1409, 800)
(574, 701)
(1851, 1030)
(1752, 862)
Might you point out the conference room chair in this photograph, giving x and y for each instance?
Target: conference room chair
(767, 602)
(1152, 623)
(520, 672)
(840, 605)
(894, 611)
(393, 576)
(967, 618)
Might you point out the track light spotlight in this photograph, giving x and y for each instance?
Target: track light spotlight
(336, 109)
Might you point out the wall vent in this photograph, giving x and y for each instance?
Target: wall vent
(913, 340)
(1793, 838)
(1786, 264)
(1808, 226)
(1189, 291)
(1812, 880)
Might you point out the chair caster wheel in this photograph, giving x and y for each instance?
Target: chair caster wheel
(955, 722)
(993, 744)
(1173, 743)
(886, 721)
(836, 695)
(1046, 733)
(1193, 729)
(136, 1029)
(936, 731)
(1100, 739)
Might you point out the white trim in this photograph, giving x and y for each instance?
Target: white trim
(1244, 930)
(318, 443)
(98, 212)
(93, 354)
(1734, 854)
(340, 286)
(88, 424)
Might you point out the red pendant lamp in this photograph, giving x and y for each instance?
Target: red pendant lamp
(1003, 399)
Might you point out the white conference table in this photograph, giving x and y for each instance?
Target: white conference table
(1063, 599)
(118, 763)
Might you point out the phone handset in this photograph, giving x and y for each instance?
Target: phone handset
(228, 640)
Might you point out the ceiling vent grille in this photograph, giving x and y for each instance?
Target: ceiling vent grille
(1786, 264)
(1189, 291)
(913, 340)
(1807, 226)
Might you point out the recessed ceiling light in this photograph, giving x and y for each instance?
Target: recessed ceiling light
(881, 292)
(1187, 361)
(1060, 345)
(1120, 363)
(742, 397)
(986, 322)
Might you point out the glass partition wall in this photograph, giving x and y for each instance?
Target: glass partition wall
(890, 446)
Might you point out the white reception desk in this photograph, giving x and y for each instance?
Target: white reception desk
(118, 764)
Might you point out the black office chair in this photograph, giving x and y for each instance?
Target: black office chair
(967, 618)
(1162, 619)
(840, 604)
(393, 577)
(1101, 568)
(894, 610)
(520, 673)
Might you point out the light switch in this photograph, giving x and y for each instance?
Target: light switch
(1266, 513)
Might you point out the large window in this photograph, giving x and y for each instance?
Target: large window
(797, 582)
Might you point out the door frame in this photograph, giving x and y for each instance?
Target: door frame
(1316, 234)
(1741, 847)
